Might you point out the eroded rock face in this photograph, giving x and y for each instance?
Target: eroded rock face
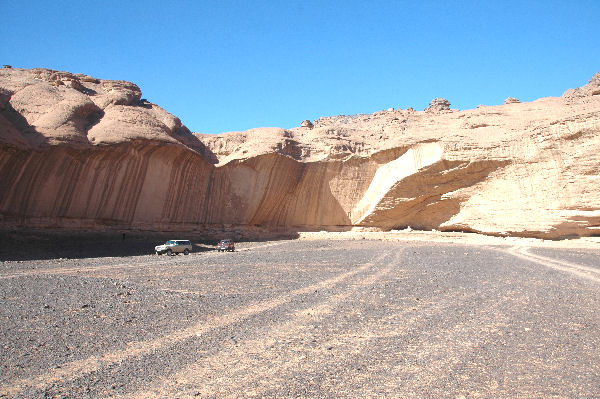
(511, 100)
(438, 104)
(89, 153)
(51, 107)
(307, 123)
(590, 89)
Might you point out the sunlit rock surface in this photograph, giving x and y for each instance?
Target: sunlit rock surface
(78, 152)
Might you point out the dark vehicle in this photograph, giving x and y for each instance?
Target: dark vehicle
(225, 245)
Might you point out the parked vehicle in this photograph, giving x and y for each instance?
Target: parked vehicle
(225, 245)
(173, 247)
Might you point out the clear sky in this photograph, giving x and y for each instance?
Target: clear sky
(228, 65)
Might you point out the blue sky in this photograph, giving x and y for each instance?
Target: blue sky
(235, 65)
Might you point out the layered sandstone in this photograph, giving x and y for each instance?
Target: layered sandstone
(80, 152)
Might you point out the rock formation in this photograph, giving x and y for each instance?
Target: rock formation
(83, 153)
(438, 104)
(307, 123)
(511, 100)
(590, 89)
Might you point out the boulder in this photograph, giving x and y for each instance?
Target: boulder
(307, 123)
(438, 104)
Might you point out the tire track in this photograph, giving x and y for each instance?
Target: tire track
(359, 341)
(588, 273)
(238, 360)
(78, 368)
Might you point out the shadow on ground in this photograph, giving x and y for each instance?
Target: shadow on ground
(19, 245)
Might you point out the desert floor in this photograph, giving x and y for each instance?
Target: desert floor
(371, 315)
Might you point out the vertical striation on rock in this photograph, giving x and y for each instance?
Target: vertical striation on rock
(78, 152)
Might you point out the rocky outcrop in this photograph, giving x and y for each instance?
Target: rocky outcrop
(438, 104)
(511, 100)
(307, 123)
(91, 154)
(590, 89)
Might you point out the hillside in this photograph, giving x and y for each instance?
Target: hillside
(78, 152)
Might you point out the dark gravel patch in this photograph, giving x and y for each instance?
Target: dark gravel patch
(32, 245)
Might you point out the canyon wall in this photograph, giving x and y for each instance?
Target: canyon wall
(78, 152)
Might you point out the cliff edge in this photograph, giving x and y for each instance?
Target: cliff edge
(78, 152)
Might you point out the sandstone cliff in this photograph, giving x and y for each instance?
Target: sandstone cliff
(82, 153)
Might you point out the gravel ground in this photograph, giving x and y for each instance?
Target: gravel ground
(579, 257)
(305, 319)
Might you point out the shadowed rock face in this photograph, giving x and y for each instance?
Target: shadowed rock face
(78, 152)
